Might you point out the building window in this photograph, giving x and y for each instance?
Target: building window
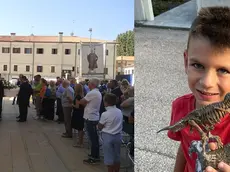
(54, 51)
(52, 69)
(5, 50)
(39, 68)
(106, 71)
(73, 69)
(107, 52)
(78, 51)
(4, 67)
(40, 51)
(28, 50)
(27, 68)
(15, 68)
(16, 50)
(133, 71)
(67, 51)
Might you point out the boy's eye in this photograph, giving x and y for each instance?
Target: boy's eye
(224, 71)
(197, 66)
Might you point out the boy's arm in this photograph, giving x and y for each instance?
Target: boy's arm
(180, 161)
(102, 121)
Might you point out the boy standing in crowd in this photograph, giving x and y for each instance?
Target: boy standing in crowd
(111, 125)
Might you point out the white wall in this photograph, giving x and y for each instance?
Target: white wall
(143, 10)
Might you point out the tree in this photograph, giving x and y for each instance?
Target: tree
(161, 6)
(125, 44)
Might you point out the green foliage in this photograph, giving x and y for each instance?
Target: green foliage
(161, 6)
(125, 44)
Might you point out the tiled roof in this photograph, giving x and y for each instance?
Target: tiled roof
(130, 58)
(49, 39)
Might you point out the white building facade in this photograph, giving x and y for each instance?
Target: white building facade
(52, 57)
(129, 70)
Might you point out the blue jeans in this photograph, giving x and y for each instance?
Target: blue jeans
(93, 137)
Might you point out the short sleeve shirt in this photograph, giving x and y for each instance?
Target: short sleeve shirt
(112, 120)
(92, 108)
(69, 92)
(180, 108)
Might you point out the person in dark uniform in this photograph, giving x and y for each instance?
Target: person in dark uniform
(1, 96)
(24, 94)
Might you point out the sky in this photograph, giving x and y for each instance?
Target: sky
(107, 18)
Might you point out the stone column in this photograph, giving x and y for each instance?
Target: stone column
(210, 3)
(143, 10)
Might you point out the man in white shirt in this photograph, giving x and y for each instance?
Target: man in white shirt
(92, 100)
(111, 124)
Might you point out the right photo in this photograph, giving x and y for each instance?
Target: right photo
(182, 80)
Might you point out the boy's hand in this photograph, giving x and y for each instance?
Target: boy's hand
(222, 166)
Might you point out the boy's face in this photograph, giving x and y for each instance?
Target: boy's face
(208, 72)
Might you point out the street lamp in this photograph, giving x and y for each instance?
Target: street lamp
(90, 30)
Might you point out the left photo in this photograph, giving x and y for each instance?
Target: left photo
(67, 86)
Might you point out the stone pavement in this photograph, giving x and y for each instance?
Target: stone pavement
(37, 146)
(159, 78)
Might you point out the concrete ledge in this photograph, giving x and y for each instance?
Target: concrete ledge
(180, 17)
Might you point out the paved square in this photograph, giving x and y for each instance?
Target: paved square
(37, 146)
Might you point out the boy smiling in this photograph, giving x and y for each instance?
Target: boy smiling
(207, 65)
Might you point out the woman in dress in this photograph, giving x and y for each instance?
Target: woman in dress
(77, 116)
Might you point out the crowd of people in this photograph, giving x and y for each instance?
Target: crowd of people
(90, 105)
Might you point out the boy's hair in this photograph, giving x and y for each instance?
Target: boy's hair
(212, 23)
(110, 99)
